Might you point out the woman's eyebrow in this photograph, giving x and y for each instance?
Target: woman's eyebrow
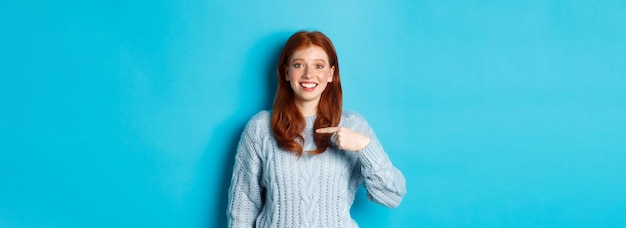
(305, 61)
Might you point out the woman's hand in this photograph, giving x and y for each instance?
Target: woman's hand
(346, 139)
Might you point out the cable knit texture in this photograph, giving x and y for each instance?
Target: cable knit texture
(271, 187)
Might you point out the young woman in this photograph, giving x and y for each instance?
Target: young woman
(300, 164)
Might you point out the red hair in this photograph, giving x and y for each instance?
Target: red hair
(287, 122)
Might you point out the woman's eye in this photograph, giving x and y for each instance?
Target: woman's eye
(319, 66)
(297, 65)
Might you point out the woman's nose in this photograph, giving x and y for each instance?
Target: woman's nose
(305, 73)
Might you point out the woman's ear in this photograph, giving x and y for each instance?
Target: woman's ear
(286, 73)
(332, 74)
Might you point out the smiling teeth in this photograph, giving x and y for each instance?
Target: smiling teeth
(308, 85)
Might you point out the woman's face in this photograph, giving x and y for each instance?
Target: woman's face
(309, 72)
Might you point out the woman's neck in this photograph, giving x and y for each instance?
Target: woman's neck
(307, 108)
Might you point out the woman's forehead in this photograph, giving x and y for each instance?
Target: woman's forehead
(310, 53)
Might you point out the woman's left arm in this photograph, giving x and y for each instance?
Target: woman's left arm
(385, 184)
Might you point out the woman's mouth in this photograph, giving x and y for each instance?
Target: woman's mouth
(308, 86)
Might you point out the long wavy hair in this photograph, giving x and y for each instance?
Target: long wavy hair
(287, 122)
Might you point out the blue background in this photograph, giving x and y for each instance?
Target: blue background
(127, 113)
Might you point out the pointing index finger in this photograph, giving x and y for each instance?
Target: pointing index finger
(327, 130)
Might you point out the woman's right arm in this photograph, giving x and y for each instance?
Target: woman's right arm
(245, 194)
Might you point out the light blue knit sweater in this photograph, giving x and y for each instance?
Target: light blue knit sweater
(271, 187)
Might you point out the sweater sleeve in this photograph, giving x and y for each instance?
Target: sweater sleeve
(385, 184)
(245, 192)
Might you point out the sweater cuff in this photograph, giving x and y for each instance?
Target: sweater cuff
(372, 155)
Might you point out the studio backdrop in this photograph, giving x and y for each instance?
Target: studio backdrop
(128, 113)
